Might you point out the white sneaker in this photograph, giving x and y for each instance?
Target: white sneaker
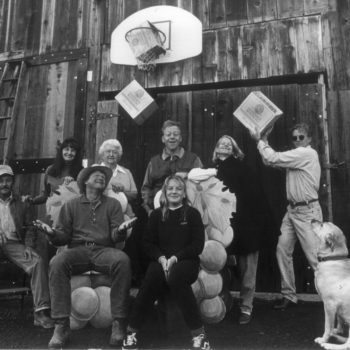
(130, 342)
(200, 342)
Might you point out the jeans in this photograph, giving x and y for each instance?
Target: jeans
(182, 275)
(79, 259)
(248, 265)
(296, 224)
(35, 267)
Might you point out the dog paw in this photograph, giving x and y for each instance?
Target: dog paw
(320, 340)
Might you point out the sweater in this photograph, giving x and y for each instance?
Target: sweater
(179, 235)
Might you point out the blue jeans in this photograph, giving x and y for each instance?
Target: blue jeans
(35, 267)
(296, 225)
(79, 259)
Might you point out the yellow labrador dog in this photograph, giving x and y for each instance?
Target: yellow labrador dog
(332, 279)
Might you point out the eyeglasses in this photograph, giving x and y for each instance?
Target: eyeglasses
(298, 138)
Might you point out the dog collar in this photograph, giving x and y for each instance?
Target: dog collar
(335, 257)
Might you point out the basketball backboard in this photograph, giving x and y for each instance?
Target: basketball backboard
(183, 32)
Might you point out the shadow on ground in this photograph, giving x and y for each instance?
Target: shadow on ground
(294, 328)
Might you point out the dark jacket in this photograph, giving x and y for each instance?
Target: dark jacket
(23, 216)
(249, 221)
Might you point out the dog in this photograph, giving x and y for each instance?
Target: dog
(332, 280)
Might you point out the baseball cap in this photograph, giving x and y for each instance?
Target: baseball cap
(6, 170)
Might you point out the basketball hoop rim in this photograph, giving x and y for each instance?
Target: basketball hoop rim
(154, 29)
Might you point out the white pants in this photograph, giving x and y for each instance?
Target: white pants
(248, 265)
(296, 224)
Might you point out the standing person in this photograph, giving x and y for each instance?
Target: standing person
(173, 159)
(249, 221)
(303, 174)
(174, 240)
(90, 225)
(17, 238)
(66, 167)
(122, 180)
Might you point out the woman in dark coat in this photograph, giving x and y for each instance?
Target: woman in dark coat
(249, 220)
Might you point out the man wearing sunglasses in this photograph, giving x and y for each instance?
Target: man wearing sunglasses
(303, 173)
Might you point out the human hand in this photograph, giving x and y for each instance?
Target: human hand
(164, 262)
(255, 134)
(44, 227)
(3, 238)
(27, 198)
(171, 262)
(67, 180)
(266, 133)
(118, 187)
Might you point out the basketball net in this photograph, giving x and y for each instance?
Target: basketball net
(146, 43)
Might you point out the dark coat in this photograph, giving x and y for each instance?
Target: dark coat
(249, 221)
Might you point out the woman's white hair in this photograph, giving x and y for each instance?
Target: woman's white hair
(111, 142)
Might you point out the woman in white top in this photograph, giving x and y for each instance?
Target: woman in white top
(122, 181)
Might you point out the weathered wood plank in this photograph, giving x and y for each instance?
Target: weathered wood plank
(95, 34)
(236, 12)
(114, 17)
(3, 24)
(34, 27)
(235, 53)
(55, 108)
(200, 8)
(289, 8)
(217, 14)
(65, 31)
(209, 57)
(261, 10)
(308, 36)
(107, 127)
(35, 112)
(131, 7)
(315, 6)
(47, 25)
(148, 3)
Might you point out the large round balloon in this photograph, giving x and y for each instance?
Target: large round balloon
(210, 284)
(85, 303)
(213, 257)
(212, 310)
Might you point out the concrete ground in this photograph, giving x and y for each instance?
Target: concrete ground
(294, 328)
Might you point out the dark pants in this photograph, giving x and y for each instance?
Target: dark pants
(182, 275)
(73, 261)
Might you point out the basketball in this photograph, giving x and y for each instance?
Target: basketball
(225, 238)
(212, 310)
(85, 303)
(213, 257)
(210, 284)
(78, 281)
(76, 324)
(103, 316)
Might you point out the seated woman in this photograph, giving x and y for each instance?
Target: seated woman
(65, 169)
(122, 181)
(174, 240)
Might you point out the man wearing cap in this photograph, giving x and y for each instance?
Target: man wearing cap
(89, 225)
(303, 174)
(17, 238)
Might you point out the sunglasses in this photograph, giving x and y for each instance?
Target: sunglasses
(298, 138)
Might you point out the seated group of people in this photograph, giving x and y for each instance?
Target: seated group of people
(91, 224)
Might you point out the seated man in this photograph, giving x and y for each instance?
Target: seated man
(17, 237)
(89, 225)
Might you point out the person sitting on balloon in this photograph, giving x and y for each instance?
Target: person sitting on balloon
(90, 225)
(174, 240)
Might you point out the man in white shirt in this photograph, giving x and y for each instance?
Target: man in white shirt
(303, 174)
(17, 238)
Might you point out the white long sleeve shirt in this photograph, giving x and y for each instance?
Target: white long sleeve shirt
(303, 170)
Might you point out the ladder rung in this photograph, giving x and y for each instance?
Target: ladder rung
(7, 98)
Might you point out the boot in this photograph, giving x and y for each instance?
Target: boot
(43, 320)
(118, 332)
(61, 333)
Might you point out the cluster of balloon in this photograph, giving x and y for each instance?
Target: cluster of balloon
(89, 304)
(207, 194)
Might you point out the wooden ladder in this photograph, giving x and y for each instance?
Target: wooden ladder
(10, 82)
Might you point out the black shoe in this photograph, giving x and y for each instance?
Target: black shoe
(130, 342)
(200, 343)
(61, 335)
(244, 318)
(283, 304)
